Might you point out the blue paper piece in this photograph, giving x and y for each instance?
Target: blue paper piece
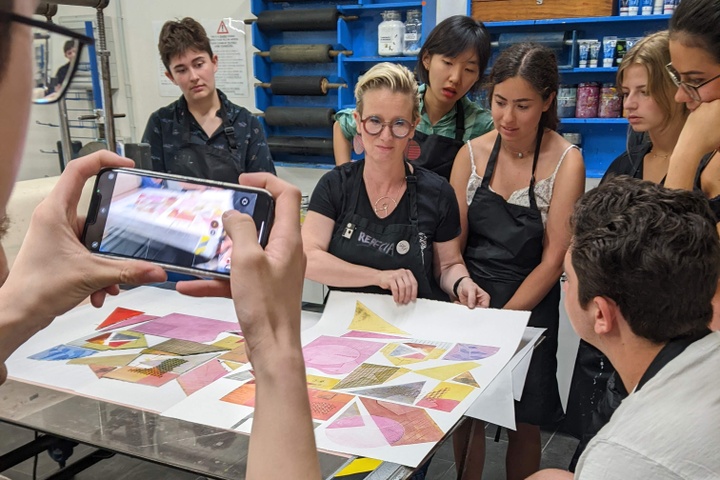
(63, 352)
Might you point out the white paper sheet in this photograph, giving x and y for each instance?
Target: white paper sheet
(362, 426)
(495, 404)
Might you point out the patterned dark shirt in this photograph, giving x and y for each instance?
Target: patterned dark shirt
(164, 133)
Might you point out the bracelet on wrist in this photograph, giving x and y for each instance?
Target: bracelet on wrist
(457, 284)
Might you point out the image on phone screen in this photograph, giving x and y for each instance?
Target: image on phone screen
(168, 221)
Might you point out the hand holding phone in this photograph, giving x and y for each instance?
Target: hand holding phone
(53, 271)
(173, 221)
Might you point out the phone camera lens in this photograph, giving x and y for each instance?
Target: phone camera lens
(94, 245)
(111, 176)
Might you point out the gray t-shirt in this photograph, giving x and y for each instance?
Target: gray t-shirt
(670, 429)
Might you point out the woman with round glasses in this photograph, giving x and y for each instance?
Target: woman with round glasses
(380, 225)
(695, 68)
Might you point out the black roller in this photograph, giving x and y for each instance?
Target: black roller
(301, 145)
(300, 85)
(310, 53)
(299, 116)
(298, 20)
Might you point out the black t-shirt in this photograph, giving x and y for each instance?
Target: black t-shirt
(629, 163)
(438, 213)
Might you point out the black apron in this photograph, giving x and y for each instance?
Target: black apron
(363, 241)
(206, 161)
(437, 152)
(505, 244)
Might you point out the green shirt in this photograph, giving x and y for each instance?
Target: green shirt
(478, 121)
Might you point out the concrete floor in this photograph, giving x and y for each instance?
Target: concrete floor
(557, 451)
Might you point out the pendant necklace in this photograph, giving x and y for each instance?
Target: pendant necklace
(516, 154)
(382, 205)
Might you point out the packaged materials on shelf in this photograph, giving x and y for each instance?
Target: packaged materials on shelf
(391, 34)
(413, 32)
(594, 53)
(609, 50)
(583, 52)
(610, 105)
(588, 98)
(566, 101)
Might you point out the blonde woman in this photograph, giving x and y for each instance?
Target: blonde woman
(380, 225)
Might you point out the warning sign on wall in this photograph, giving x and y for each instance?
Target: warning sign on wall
(222, 29)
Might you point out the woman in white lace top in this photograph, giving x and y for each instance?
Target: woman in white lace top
(516, 187)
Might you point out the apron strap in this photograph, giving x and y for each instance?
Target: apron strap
(411, 180)
(459, 121)
(228, 128)
(531, 191)
(490, 167)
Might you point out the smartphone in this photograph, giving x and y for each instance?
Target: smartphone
(170, 220)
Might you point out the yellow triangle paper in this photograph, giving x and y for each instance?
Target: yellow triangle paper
(359, 465)
(467, 379)
(232, 365)
(449, 371)
(368, 321)
(450, 391)
(228, 343)
(321, 383)
(109, 361)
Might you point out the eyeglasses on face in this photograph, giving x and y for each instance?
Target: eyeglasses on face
(53, 72)
(400, 128)
(693, 91)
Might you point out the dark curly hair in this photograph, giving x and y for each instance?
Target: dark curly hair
(178, 36)
(654, 251)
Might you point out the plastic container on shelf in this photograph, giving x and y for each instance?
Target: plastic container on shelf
(610, 105)
(566, 101)
(588, 99)
(391, 34)
(413, 33)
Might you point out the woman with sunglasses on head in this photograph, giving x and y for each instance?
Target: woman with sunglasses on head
(450, 64)
(516, 187)
(380, 225)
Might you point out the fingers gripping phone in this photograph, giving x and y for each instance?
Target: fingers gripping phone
(170, 220)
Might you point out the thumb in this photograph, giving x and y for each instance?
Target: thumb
(130, 272)
(240, 227)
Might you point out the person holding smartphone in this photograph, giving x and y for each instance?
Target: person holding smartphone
(202, 134)
(54, 272)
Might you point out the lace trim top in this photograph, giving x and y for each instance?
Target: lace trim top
(543, 188)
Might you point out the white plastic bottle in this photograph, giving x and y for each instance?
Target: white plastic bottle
(413, 31)
(391, 34)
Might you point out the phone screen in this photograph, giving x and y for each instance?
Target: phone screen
(176, 223)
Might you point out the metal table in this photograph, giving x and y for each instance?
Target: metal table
(195, 448)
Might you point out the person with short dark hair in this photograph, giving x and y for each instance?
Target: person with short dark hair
(69, 50)
(202, 134)
(516, 187)
(451, 63)
(640, 277)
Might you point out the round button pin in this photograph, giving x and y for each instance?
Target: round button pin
(403, 247)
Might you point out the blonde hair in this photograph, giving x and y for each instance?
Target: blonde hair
(653, 52)
(396, 78)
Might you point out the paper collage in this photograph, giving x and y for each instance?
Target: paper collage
(376, 386)
(384, 381)
(142, 360)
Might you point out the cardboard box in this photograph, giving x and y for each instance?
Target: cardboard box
(505, 10)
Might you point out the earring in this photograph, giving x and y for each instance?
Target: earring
(412, 151)
(358, 146)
